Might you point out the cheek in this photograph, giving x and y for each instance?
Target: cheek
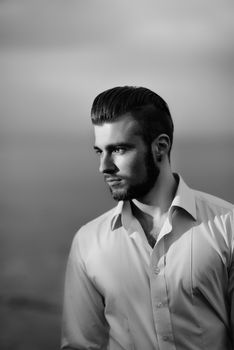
(132, 166)
(138, 168)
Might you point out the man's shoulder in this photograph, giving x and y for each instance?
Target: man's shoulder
(103, 219)
(97, 225)
(213, 202)
(92, 233)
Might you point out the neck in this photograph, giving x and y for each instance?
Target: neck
(152, 209)
(161, 195)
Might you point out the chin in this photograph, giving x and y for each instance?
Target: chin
(120, 195)
(128, 194)
(127, 191)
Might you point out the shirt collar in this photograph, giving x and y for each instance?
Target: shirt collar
(121, 215)
(184, 198)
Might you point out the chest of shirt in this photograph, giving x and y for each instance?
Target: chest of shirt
(191, 258)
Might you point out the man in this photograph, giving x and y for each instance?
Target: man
(156, 272)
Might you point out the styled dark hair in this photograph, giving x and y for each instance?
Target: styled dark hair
(149, 110)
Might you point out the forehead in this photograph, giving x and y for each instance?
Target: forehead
(123, 129)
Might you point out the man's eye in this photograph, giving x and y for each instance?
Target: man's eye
(119, 150)
(98, 151)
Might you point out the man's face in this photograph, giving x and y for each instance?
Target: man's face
(125, 160)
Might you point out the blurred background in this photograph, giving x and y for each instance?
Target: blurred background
(55, 57)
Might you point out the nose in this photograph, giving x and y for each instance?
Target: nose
(107, 165)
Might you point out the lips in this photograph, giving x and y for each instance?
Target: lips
(113, 180)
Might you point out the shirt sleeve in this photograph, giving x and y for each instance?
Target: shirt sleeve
(83, 325)
(231, 284)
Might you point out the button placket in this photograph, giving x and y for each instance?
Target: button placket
(159, 298)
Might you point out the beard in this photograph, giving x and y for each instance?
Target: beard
(140, 189)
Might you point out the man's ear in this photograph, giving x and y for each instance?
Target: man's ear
(160, 147)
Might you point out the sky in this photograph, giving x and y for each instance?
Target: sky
(56, 56)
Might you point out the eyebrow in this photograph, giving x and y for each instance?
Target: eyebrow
(114, 145)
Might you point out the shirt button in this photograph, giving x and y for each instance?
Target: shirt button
(157, 270)
(166, 338)
(159, 304)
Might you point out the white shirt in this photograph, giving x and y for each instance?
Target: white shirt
(120, 294)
